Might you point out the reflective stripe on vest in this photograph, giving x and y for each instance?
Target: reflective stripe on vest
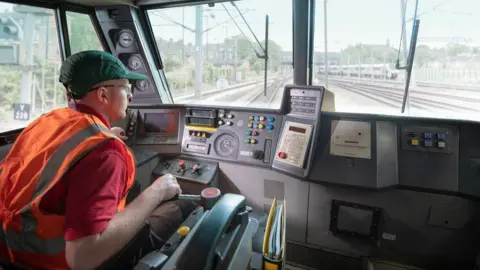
(28, 241)
(56, 161)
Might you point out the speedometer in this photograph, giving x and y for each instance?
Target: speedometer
(225, 145)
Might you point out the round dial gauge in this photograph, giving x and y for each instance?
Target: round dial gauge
(125, 39)
(134, 62)
(142, 85)
(225, 145)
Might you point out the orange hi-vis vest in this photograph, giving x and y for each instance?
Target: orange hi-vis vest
(41, 155)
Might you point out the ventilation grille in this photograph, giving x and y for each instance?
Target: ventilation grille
(320, 259)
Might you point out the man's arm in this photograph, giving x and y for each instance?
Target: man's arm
(93, 231)
(91, 251)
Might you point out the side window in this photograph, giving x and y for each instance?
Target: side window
(81, 33)
(29, 65)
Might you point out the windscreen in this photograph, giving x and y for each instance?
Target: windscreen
(215, 55)
(364, 41)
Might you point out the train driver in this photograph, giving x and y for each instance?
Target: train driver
(63, 185)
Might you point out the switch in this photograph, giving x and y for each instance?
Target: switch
(182, 166)
(414, 142)
(253, 141)
(250, 118)
(230, 116)
(271, 119)
(441, 144)
(247, 140)
(282, 155)
(428, 143)
(193, 133)
(256, 118)
(198, 134)
(427, 135)
(255, 125)
(130, 134)
(229, 123)
(196, 169)
(270, 127)
(257, 154)
(220, 122)
(249, 132)
(204, 135)
(250, 125)
(262, 118)
(221, 115)
(260, 126)
(441, 136)
(254, 133)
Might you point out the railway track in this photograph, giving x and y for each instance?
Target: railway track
(393, 97)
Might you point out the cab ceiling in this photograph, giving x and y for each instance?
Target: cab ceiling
(123, 2)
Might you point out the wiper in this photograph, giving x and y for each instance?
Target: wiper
(265, 50)
(411, 55)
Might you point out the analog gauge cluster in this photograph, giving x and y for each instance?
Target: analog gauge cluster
(226, 145)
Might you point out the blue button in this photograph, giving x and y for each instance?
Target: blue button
(256, 118)
(428, 143)
(255, 125)
(441, 136)
(271, 119)
(427, 135)
(269, 127)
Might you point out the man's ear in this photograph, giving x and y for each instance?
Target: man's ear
(102, 94)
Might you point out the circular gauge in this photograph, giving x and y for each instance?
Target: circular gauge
(134, 62)
(142, 85)
(225, 145)
(125, 39)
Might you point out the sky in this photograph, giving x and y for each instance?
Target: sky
(348, 22)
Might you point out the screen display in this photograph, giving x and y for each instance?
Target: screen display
(297, 129)
(164, 123)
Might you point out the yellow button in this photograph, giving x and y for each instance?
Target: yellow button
(252, 141)
(260, 126)
(183, 231)
(249, 125)
(203, 134)
(414, 142)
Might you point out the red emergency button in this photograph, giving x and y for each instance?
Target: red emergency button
(282, 155)
(211, 192)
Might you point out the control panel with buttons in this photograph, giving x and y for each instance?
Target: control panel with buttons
(426, 139)
(242, 136)
(193, 175)
(292, 148)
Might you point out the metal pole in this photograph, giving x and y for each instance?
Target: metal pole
(326, 42)
(26, 84)
(404, 32)
(266, 57)
(198, 51)
(235, 60)
(183, 35)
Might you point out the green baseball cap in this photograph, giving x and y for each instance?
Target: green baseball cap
(81, 71)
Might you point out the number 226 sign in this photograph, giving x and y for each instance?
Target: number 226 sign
(21, 111)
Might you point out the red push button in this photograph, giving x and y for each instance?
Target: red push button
(210, 192)
(282, 155)
(181, 163)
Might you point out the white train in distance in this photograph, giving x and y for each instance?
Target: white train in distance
(376, 71)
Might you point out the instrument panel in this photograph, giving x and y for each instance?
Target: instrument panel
(245, 136)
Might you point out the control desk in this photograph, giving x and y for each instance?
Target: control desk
(279, 139)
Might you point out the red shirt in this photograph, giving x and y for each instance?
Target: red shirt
(89, 193)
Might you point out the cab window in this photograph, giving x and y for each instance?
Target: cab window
(211, 57)
(30, 61)
(365, 40)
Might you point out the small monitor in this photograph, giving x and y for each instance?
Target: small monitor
(161, 123)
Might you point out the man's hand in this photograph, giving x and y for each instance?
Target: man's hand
(166, 186)
(119, 132)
